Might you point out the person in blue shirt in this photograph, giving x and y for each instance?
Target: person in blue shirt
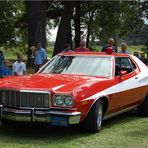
(124, 48)
(5, 70)
(1, 58)
(40, 56)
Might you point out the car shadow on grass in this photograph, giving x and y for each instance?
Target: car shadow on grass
(129, 118)
(122, 118)
(27, 132)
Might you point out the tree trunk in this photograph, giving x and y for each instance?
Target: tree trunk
(36, 20)
(91, 16)
(147, 48)
(89, 30)
(77, 24)
(64, 31)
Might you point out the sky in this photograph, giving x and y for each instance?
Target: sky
(53, 34)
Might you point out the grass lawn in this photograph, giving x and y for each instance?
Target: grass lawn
(11, 53)
(124, 131)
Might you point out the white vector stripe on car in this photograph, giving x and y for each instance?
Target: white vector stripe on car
(123, 86)
(57, 87)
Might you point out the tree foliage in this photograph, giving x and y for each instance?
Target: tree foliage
(10, 13)
(112, 19)
(90, 20)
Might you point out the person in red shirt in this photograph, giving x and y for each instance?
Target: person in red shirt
(82, 47)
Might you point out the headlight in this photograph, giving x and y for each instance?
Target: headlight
(58, 100)
(63, 100)
(68, 101)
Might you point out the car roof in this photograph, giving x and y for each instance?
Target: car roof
(94, 54)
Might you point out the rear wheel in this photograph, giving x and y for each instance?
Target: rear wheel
(94, 119)
(143, 107)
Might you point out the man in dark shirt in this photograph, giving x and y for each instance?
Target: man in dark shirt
(110, 44)
(143, 59)
(67, 48)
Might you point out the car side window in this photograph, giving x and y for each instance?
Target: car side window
(123, 63)
(133, 64)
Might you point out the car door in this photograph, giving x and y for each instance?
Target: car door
(127, 93)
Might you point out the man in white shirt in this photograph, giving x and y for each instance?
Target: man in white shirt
(19, 67)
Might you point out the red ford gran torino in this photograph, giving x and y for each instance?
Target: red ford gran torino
(73, 88)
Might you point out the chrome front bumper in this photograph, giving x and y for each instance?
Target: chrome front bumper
(34, 115)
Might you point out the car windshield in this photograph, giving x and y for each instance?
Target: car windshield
(92, 66)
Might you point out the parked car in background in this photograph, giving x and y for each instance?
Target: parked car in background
(77, 87)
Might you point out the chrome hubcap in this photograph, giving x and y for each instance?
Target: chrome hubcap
(99, 120)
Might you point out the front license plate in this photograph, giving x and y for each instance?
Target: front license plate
(59, 121)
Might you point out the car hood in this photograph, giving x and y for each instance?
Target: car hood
(54, 82)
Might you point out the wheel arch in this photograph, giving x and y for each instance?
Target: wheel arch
(143, 99)
(142, 109)
(105, 100)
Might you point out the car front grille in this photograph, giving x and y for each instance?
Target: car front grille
(25, 99)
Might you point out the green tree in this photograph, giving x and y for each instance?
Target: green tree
(112, 19)
(10, 12)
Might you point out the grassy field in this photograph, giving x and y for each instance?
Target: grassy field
(11, 53)
(124, 131)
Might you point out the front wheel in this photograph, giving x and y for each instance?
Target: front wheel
(143, 107)
(94, 119)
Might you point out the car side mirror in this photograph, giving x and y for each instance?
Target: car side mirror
(122, 73)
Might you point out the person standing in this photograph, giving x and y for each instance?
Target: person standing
(143, 59)
(40, 56)
(124, 48)
(5, 70)
(136, 54)
(1, 58)
(67, 48)
(19, 67)
(32, 56)
(110, 44)
(82, 47)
